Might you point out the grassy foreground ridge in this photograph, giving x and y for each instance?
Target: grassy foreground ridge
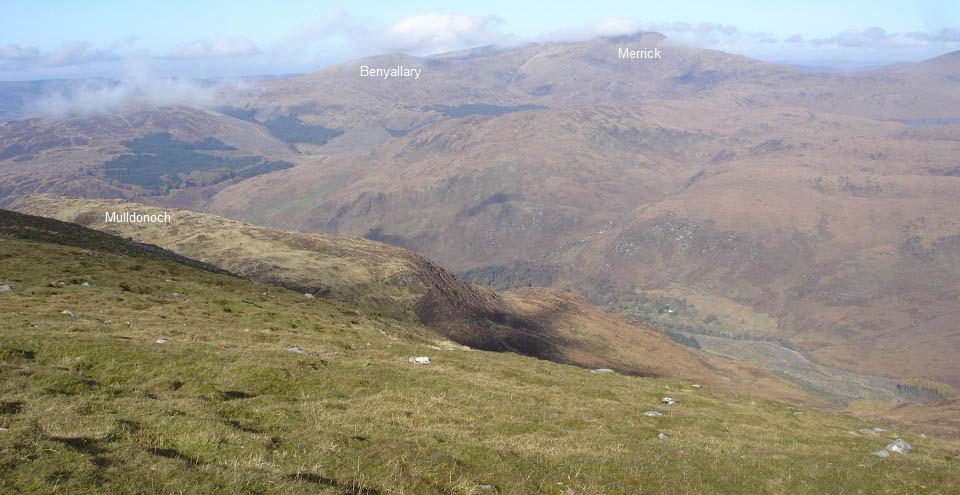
(92, 403)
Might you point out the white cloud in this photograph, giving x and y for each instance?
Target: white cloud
(878, 38)
(701, 34)
(137, 87)
(15, 57)
(611, 26)
(433, 33)
(225, 47)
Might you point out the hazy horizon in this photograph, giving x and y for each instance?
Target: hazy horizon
(239, 39)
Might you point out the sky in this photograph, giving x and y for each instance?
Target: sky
(42, 39)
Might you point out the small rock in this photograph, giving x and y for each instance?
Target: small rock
(309, 296)
(6, 288)
(419, 360)
(797, 413)
(601, 371)
(653, 414)
(883, 454)
(161, 341)
(662, 436)
(487, 489)
(668, 400)
(68, 313)
(295, 348)
(2, 429)
(85, 284)
(957, 457)
(696, 385)
(899, 446)
(87, 252)
(872, 430)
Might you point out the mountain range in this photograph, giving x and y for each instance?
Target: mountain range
(746, 208)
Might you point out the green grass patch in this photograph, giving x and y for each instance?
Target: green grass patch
(93, 404)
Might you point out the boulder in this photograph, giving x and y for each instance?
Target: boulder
(419, 360)
(899, 446)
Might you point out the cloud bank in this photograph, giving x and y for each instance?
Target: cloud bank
(230, 47)
(337, 36)
(137, 87)
(433, 33)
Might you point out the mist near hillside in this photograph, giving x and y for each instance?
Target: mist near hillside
(137, 88)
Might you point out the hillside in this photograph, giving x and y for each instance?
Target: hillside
(393, 282)
(172, 155)
(186, 386)
(822, 205)
(756, 207)
(576, 74)
(803, 222)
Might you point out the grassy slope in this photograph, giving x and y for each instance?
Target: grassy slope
(93, 405)
(542, 322)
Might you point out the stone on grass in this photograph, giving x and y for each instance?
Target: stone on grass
(419, 360)
(68, 313)
(883, 454)
(161, 341)
(696, 385)
(653, 414)
(899, 446)
(6, 288)
(309, 296)
(295, 349)
(601, 371)
(668, 400)
(662, 436)
(872, 430)
(85, 284)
